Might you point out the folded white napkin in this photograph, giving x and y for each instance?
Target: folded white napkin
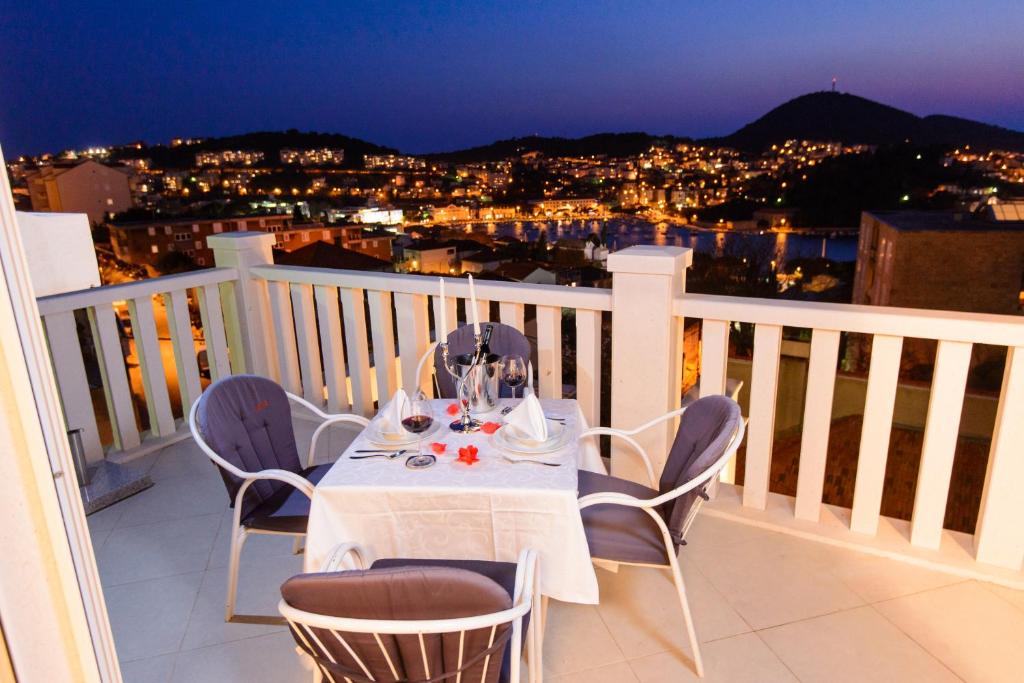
(527, 420)
(391, 415)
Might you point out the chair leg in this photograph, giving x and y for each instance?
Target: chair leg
(238, 537)
(677, 577)
(297, 545)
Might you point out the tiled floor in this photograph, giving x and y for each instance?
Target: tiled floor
(768, 607)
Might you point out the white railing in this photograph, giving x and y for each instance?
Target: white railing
(343, 339)
(320, 314)
(997, 538)
(166, 366)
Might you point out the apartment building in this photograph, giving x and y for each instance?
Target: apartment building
(87, 187)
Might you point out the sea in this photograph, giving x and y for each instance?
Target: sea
(619, 233)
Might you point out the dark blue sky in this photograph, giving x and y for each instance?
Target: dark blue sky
(439, 75)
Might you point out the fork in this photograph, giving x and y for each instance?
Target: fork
(531, 462)
(390, 456)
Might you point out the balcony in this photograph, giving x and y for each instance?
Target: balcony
(786, 586)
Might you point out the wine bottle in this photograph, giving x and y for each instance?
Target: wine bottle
(485, 344)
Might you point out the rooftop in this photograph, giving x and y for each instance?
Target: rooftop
(922, 221)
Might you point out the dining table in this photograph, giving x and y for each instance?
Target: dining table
(461, 509)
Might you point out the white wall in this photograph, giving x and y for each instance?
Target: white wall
(60, 253)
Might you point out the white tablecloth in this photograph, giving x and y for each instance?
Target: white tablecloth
(490, 510)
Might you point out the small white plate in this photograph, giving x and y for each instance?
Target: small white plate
(403, 438)
(557, 439)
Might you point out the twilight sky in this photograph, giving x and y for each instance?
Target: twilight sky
(437, 75)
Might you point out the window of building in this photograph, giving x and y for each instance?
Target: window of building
(327, 235)
(201, 261)
(152, 232)
(199, 244)
(190, 252)
(305, 236)
(110, 202)
(216, 227)
(167, 230)
(155, 249)
(195, 227)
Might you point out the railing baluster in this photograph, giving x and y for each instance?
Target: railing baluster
(284, 326)
(513, 314)
(354, 315)
(483, 309)
(413, 339)
(151, 365)
(763, 384)
(714, 364)
(999, 535)
(212, 316)
(179, 323)
(308, 347)
(821, 382)
(116, 390)
(549, 351)
(588, 364)
(874, 439)
(949, 381)
(69, 368)
(328, 313)
(382, 327)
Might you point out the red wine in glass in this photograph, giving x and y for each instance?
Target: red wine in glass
(417, 424)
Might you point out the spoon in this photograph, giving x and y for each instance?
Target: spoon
(389, 456)
(531, 462)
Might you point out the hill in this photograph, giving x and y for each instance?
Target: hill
(856, 120)
(602, 144)
(270, 143)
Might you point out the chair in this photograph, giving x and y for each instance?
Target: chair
(244, 424)
(629, 523)
(505, 341)
(416, 621)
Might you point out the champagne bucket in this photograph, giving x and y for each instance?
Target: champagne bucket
(483, 381)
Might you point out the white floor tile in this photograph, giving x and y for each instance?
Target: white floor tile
(876, 578)
(740, 659)
(183, 459)
(136, 553)
(175, 498)
(105, 519)
(773, 579)
(1014, 597)
(148, 618)
(641, 608)
(576, 639)
(258, 594)
(975, 633)
(149, 670)
(853, 646)
(614, 673)
(266, 659)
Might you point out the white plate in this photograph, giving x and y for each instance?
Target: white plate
(504, 440)
(376, 436)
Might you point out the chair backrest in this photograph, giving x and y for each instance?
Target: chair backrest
(706, 430)
(396, 595)
(247, 421)
(505, 341)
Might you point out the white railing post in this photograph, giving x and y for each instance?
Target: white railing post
(247, 316)
(646, 280)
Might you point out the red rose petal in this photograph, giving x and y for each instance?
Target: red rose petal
(489, 427)
(453, 409)
(438, 447)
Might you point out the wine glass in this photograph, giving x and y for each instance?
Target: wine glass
(513, 372)
(417, 417)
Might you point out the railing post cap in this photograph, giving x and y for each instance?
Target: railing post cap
(648, 259)
(241, 241)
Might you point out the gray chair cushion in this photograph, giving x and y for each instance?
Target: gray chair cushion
(616, 532)
(705, 430)
(287, 511)
(247, 421)
(505, 341)
(404, 592)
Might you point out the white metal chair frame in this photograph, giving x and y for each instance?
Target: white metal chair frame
(651, 508)
(428, 356)
(524, 600)
(239, 532)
